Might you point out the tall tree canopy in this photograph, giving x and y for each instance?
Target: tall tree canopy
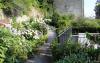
(97, 9)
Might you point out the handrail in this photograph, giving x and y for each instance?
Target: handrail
(61, 33)
(64, 31)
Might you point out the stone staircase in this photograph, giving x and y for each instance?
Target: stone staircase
(44, 54)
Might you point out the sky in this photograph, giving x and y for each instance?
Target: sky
(89, 6)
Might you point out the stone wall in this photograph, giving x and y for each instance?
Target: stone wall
(75, 7)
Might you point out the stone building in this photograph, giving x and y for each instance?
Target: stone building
(75, 7)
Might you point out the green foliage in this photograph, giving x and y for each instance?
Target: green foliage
(28, 35)
(97, 10)
(18, 7)
(18, 26)
(55, 19)
(78, 23)
(42, 40)
(71, 52)
(60, 22)
(15, 49)
(34, 25)
(15, 7)
(46, 6)
(93, 38)
(4, 32)
(76, 58)
(88, 23)
(2, 53)
(59, 51)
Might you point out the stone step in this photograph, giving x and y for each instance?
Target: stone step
(44, 52)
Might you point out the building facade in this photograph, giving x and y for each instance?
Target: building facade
(75, 7)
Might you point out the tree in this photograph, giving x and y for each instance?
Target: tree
(97, 9)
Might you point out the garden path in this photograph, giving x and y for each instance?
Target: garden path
(44, 55)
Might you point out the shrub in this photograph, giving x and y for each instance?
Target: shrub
(14, 48)
(74, 53)
(2, 53)
(60, 21)
(93, 38)
(59, 51)
(34, 25)
(76, 58)
(88, 23)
